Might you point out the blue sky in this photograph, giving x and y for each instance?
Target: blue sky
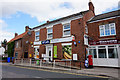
(18, 21)
(18, 13)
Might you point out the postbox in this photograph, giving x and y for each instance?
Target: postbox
(90, 61)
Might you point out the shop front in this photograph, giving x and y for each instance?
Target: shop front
(54, 51)
(105, 53)
(36, 52)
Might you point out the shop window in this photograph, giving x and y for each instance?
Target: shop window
(49, 33)
(67, 51)
(112, 52)
(93, 53)
(37, 33)
(107, 29)
(102, 53)
(66, 29)
(36, 55)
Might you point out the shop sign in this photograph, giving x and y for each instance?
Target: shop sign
(46, 42)
(37, 43)
(55, 51)
(104, 42)
(61, 40)
(75, 57)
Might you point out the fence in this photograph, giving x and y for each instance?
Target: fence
(66, 64)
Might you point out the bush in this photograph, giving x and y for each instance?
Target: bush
(4, 58)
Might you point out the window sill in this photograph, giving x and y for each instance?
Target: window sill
(49, 38)
(37, 40)
(66, 36)
(108, 35)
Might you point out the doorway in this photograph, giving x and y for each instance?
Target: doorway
(49, 51)
(26, 55)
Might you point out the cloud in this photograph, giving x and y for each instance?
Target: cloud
(3, 33)
(51, 9)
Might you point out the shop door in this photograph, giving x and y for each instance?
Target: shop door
(26, 55)
(49, 53)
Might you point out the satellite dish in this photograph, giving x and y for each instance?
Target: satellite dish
(29, 33)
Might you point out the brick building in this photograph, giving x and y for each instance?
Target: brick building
(104, 39)
(21, 44)
(73, 38)
(64, 38)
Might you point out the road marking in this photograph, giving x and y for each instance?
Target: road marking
(37, 77)
(90, 75)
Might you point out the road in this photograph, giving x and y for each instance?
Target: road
(10, 71)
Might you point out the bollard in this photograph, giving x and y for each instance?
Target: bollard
(21, 61)
(30, 62)
(70, 65)
(15, 61)
(54, 64)
(40, 62)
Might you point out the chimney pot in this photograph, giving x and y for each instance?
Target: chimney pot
(48, 21)
(26, 28)
(16, 34)
(91, 6)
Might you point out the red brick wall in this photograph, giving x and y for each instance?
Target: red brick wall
(57, 31)
(18, 49)
(31, 39)
(43, 34)
(93, 29)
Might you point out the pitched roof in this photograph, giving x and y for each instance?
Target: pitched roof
(18, 37)
(105, 15)
(80, 13)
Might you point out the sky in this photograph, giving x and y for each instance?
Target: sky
(16, 14)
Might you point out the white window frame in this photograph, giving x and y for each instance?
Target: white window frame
(50, 32)
(17, 44)
(103, 27)
(66, 30)
(37, 36)
(106, 47)
(86, 29)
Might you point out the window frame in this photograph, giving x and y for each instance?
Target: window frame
(17, 44)
(66, 30)
(50, 33)
(86, 29)
(103, 27)
(106, 47)
(37, 36)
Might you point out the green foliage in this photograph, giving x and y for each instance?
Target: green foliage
(10, 50)
(4, 58)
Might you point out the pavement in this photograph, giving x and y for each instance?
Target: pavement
(113, 73)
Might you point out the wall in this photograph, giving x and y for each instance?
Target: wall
(93, 29)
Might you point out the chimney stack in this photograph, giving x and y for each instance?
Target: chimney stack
(16, 34)
(48, 21)
(91, 6)
(26, 28)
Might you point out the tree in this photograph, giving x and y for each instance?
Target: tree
(10, 49)
(4, 43)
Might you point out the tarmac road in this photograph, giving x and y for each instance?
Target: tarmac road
(10, 72)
